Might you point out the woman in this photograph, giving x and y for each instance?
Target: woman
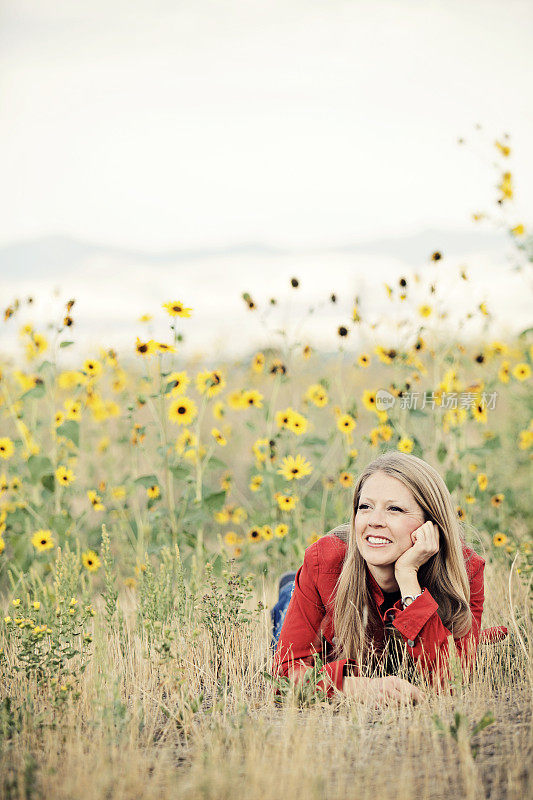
(398, 579)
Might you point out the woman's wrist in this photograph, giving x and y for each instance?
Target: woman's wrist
(408, 583)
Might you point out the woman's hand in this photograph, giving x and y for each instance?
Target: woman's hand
(425, 544)
(381, 691)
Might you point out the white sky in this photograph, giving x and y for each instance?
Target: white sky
(162, 123)
(306, 124)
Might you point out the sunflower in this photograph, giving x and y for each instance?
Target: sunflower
(295, 468)
(479, 412)
(153, 491)
(96, 500)
(225, 482)
(267, 533)
(281, 530)
(42, 540)
(177, 383)
(118, 492)
(278, 368)
(219, 437)
(405, 445)
(307, 351)
(286, 501)
(364, 360)
(424, 310)
(369, 400)
(145, 348)
(254, 534)
(59, 418)
(73, 409)
(211, 382)
(65, 476)
(182, 410)
(460, 512)
(90, 561)
(238, 515)
(219, 410)
(312, 538)
(177, 309)
(259, 449)
(256, 482)
(504, 372)
(2, 548)
(497, 499)
(385, 356)
(525, 440)
(482, 481)
(7, 448)
(258, 362)
(231, 538)
(252, 398)
(342, 330)
(345, 479)
(499, 539)
(92, 368)
(317, 395)
(470, 499)
(163, 347)
(346, 423)
(521, 372)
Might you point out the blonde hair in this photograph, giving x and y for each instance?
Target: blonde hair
(444, 574)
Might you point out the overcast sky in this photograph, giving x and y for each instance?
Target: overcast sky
(166, 123)
(303, 124)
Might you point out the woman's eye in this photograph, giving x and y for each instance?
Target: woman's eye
(363, 505)
(395, 508)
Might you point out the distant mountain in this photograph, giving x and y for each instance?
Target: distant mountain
(53, 256)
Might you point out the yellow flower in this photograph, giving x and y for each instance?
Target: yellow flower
(504, 149)
(2, 545)
(254, 534)
(506, 186)
(346, 423)
(385, 432)
(163, 347)
(42, 540)
(521, 372)
(231, 538)
(525, 440)
(219, 437)
(118, 492)
(258, 362)
(295, 468)
(177, 383)
(312, 538)
(259, 449)
(145, 318)
(153, 491)
(7, 447)
(59, 418)
(405, 445)
(238, 515)
(145, 348)
(345, 479)
(90, 561)
(497, 499)
(518, 230)
(96, 500)
(177, 309)
(256, 482)
(354, 452)
(103, 444)
(499, 539)
(285, 502)
(281, 530)
(266, 533)
(307, 351)
(369, 400)
(469, 498)
(65, 476)
(385, 356)
(211, 382)
(16, 601)
(185, 439)
(219, 410)
(479, 412)
(182, 410)
(482, 481)
(73, 408)
(92, 368)
(424, 310)
(225, 482)
(364, 360)
(252, 398)
(317, 395)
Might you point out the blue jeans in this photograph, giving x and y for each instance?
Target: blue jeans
(280, 609)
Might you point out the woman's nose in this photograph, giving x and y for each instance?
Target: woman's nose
(377, 517)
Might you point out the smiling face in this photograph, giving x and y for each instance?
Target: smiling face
(387, 509)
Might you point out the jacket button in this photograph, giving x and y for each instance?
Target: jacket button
(410, 643)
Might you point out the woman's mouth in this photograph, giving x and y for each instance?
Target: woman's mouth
(377, 541)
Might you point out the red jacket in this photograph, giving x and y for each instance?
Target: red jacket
(308, 624)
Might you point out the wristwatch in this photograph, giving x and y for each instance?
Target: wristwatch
(410, 597)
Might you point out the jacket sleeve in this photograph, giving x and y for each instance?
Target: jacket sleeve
(427, 637)
(300, 636)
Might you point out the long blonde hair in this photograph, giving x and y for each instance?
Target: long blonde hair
(444, 574)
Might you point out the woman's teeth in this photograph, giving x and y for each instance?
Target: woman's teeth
(377, 540)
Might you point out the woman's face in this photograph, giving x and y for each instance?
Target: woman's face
(387, 510)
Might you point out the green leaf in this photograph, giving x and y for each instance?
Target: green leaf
(70, 430)
(442, 453)
(38, 466)
(179, 472)
(216, 462)
(48, 482)
(312, 441)
(215, 501)
(147, 480)
(37, 391)
(65, 344)
(60, 524)
(453, 479)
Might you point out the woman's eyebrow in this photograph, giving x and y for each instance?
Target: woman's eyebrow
(387, 501)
